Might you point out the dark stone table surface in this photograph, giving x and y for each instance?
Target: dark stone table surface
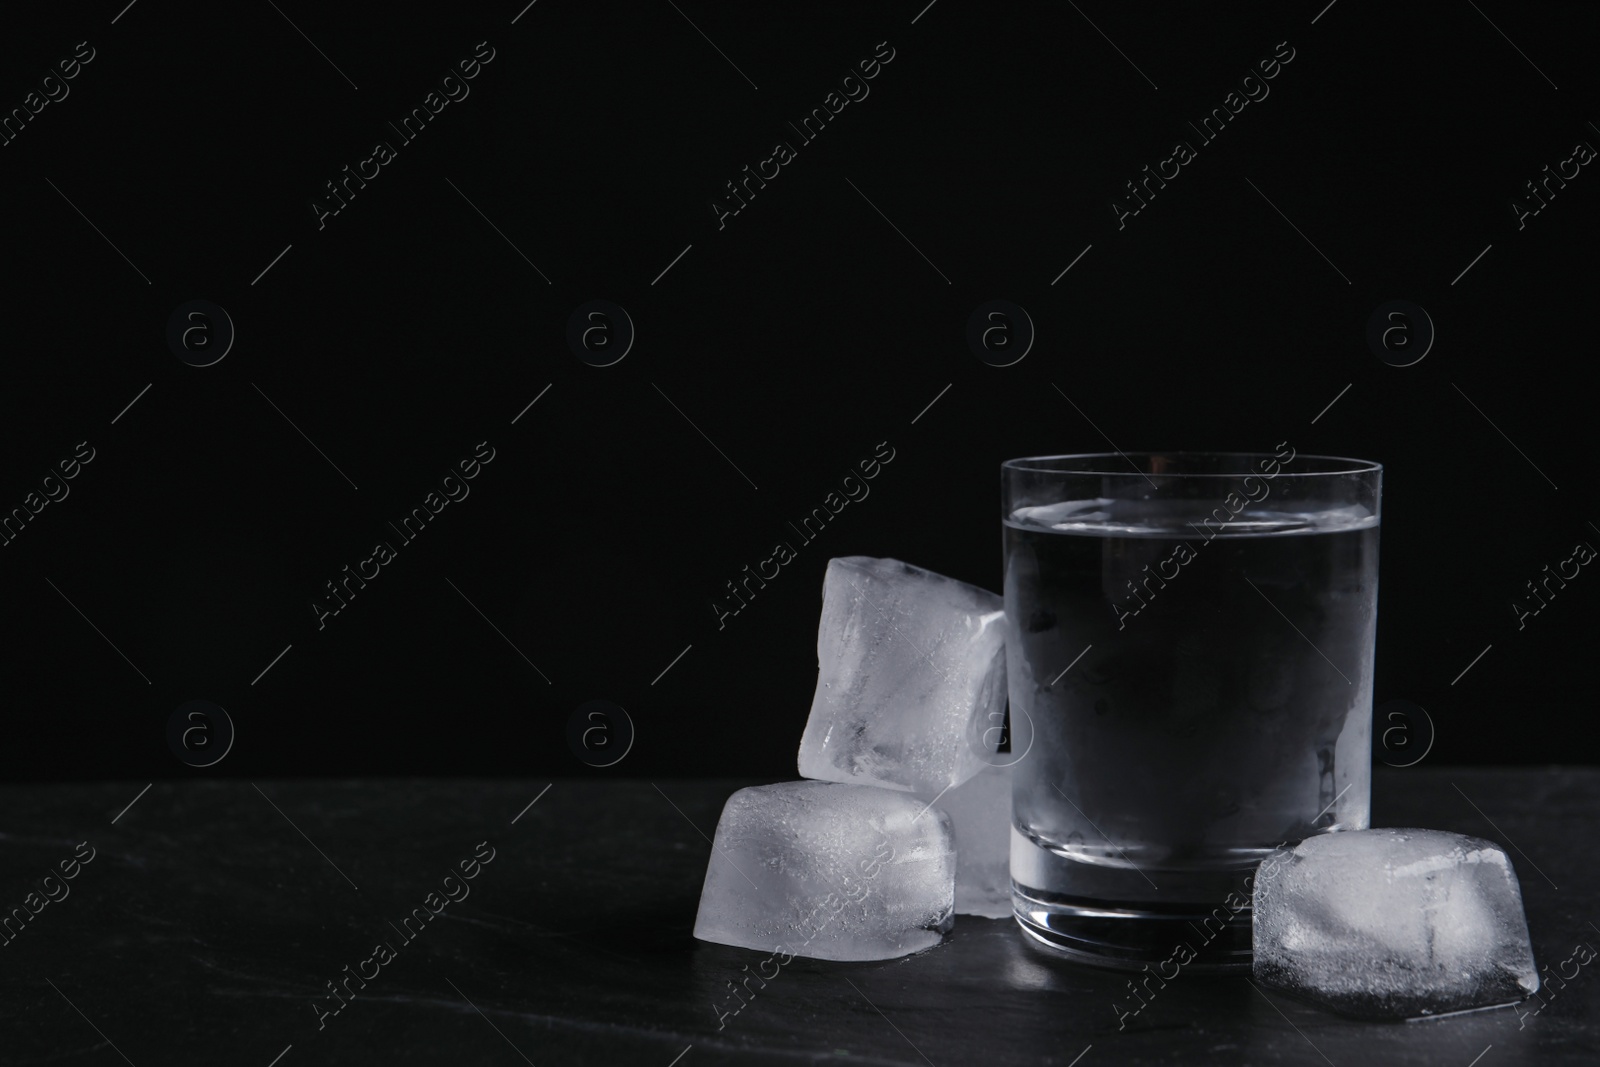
(213, 914)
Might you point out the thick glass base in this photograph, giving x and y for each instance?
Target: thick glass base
(1167, 939)
(1192, 915)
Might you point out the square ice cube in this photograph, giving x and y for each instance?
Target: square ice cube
(980, 815)
(1393, 923)
(911, 686)
(830, 871)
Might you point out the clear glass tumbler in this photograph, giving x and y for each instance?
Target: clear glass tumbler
(1189, 653)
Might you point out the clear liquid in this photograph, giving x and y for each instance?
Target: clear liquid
(1223, 706)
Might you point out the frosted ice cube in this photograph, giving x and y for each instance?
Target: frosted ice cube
(1393, 923)
(911, 687)
(980, 814)
(830, 871)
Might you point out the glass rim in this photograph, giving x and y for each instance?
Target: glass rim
(1338, 465)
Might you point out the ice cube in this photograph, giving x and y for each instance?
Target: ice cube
(980, 814)
(911, 688)
(830, 871)
(1393, 923)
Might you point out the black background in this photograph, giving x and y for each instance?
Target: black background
(798, 337)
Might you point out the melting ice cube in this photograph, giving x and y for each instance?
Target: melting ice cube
(911, 684)
(980, 813)
(1393, 923)
(830, 871)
